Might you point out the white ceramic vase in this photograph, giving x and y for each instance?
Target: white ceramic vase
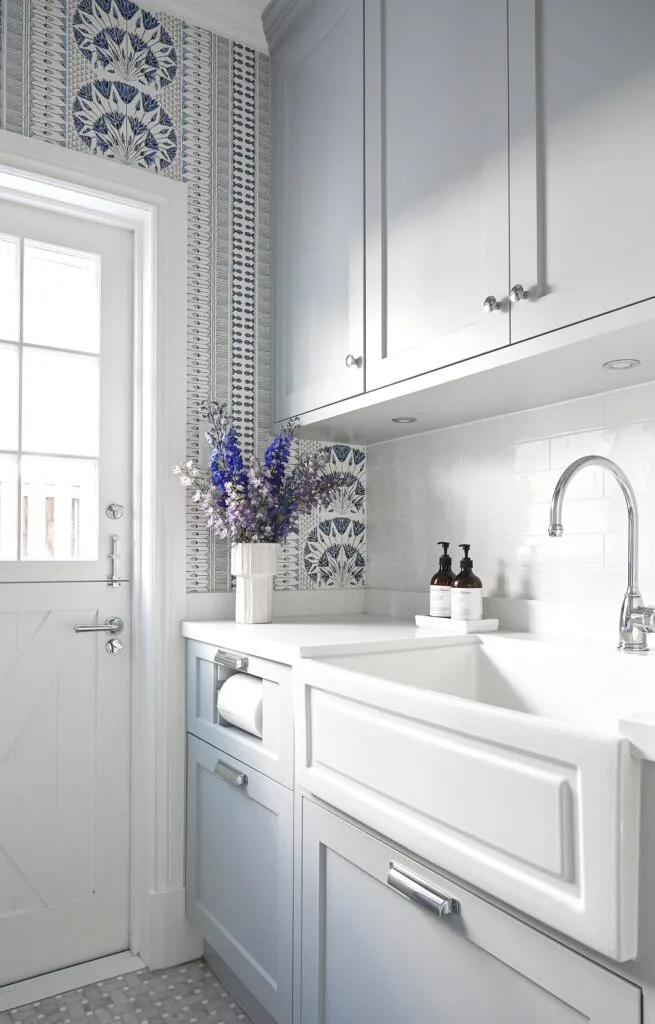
(254, 567)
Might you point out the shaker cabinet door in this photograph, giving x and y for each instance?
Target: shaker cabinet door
(582, 159)
(371, 953)
(239, 883)
(436, 184)
(318, 207)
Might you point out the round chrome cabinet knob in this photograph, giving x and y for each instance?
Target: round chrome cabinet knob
(517, 293)
(490, 304)
(354, 361)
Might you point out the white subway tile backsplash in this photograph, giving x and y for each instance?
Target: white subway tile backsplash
(629, 405)
(380, 536)
(532, 455)
(490, 484)
(569, 447)
(552, 420)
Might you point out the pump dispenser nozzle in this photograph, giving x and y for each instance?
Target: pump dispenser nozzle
(466, 562)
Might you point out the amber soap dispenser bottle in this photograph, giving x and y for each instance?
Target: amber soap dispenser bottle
(466, 598)
(441, 584)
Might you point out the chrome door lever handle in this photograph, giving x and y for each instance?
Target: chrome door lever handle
(113, 625)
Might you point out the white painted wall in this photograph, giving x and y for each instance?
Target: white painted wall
(489, 483)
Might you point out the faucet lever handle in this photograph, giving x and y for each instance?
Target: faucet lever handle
(643, 617)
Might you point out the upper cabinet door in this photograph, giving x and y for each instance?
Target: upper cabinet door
(318, 204)
(582, 158)
(436, 184)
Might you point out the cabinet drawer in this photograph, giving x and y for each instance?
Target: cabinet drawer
(273, 753)
(369, 953)
(240, 871)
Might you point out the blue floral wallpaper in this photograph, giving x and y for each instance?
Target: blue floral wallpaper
(148, 89)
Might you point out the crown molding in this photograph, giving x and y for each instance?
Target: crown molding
(278, 17)
(235, 20)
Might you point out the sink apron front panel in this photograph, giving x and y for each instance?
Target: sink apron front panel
(539, 813)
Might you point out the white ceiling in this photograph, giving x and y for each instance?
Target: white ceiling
(236, 19)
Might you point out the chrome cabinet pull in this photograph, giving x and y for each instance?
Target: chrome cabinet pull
(230, 774)
(228, 659)
(113, 625)
(419, 891)
(517, 293)
(354, 361)
(491, 304)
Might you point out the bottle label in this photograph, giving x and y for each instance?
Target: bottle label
(466, 603)
(440, 601)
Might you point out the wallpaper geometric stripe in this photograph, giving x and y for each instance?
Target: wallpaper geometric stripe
(149, 89)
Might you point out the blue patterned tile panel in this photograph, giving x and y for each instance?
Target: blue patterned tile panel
(118, 37)
(119, 121)
(334, 553)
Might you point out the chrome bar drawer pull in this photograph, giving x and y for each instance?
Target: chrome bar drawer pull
(230, 774)
(228, 659)
(419, 891)
(113, 625)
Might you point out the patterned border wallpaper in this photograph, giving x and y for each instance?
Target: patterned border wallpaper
(150, 90)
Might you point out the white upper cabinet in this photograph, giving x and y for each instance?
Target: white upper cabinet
(582, 159)
(318, 204)
(436, 184)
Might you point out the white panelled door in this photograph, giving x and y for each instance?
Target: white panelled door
(66, 330)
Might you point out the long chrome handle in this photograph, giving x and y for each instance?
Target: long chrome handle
(419, 891)
(113, 625)
(230, 774)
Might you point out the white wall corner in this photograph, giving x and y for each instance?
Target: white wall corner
(168, 938)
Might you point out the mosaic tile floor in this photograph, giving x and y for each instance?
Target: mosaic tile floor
(189, 994)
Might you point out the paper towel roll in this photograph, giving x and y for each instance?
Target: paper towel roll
(240, 702)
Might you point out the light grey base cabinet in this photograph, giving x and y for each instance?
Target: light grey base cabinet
(240, 871)
(370, 954)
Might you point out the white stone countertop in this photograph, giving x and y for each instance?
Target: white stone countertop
(315, 636)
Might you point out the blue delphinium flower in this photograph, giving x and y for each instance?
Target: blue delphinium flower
(260, 502)
(277, 455)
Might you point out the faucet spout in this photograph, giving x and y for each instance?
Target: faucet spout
(635, 621)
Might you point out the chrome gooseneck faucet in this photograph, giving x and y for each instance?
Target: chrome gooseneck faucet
(637, 620)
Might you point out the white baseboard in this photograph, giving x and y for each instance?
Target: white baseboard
(328, 601)
(168, 938)
(46, 985)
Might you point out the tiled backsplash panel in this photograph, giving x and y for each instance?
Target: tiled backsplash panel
(490, 484)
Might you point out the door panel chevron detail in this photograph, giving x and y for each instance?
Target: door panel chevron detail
(47, 735)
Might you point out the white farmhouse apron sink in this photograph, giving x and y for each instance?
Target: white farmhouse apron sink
(500, 760)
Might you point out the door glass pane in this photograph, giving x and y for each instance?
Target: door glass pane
(8, 507)
(9, 288)
(60, 403)
(59, 509)
(61, 298)
(8, 395)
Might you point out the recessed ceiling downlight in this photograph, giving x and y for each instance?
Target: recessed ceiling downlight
(403, 419)
(621, 364)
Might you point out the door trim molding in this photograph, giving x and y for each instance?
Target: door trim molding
(155, 209)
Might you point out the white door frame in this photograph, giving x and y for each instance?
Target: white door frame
(155, 208)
